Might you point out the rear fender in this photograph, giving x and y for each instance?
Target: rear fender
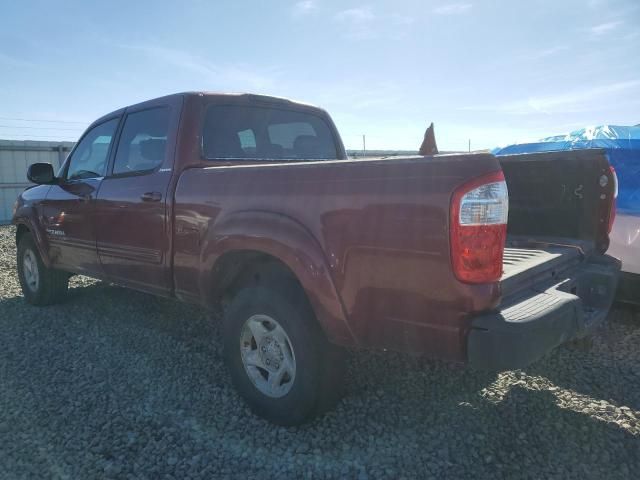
(291, 243)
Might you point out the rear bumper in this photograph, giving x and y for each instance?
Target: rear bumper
(534, 322)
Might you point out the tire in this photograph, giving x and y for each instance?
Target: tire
(40, 285)
(253, 328)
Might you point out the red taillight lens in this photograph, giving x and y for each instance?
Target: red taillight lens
(479, 211)
(612, 205)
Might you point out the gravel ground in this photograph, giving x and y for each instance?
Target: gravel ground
(119, 384)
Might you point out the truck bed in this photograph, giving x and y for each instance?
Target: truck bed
(526, 266)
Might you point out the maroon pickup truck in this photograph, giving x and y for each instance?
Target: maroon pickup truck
(250, 202)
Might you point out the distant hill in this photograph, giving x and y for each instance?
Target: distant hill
(380, 153)
(397, 153)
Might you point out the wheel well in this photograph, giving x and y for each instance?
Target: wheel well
(238, 269)
(20, 231)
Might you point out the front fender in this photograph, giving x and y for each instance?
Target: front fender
(290, 242)
(26, 214)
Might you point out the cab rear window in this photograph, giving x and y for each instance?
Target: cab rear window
(261, 133)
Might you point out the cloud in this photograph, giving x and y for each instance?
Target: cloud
(605, 27)
(362, 94)
(303, 8)
(402, 20)
(357, 22)
(547, 52)
(10, 61)
(359, 15)
(579, 100)
(453, 9)
(237, 76)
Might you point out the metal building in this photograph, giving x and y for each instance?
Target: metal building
(15, 157)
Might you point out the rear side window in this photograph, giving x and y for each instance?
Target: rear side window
(241, 132)
(143, 141)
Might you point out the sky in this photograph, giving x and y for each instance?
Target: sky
(492, 72)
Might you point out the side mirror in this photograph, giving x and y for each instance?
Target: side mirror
(41, 173)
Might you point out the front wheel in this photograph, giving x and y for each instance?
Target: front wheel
(40, 285)
(278, 357)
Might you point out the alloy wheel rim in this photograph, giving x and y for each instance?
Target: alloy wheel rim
(30, 270)
(268, 356)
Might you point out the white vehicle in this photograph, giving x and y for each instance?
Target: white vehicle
(625, 245)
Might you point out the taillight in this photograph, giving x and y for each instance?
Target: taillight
(479, 211)
(612, 205)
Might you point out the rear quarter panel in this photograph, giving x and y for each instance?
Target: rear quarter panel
(377, 230)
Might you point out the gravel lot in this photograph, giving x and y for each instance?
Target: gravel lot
(119, 384)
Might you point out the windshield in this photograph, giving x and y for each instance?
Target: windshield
(247, 132)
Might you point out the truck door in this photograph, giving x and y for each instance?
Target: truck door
(131, 217)
(70, 204)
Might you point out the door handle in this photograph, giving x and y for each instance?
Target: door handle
(151, 197)
(86, 198)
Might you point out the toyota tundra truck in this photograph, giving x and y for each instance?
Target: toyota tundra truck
(250, 202)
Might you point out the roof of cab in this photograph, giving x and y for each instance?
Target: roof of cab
(248, 97)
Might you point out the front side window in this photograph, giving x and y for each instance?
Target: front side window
(89, 159)
(143, 142)
(242, 132)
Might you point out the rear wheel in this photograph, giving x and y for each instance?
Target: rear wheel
(278, 357)
(40, 285)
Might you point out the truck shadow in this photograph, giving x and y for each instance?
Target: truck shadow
(606, 367)
(523, 433)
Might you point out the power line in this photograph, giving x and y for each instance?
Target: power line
(38, 120)
(74, 129)
(28, 135)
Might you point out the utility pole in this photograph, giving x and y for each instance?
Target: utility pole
(364, 146)
(469, 145)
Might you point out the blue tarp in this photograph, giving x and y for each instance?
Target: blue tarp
(623, 148)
